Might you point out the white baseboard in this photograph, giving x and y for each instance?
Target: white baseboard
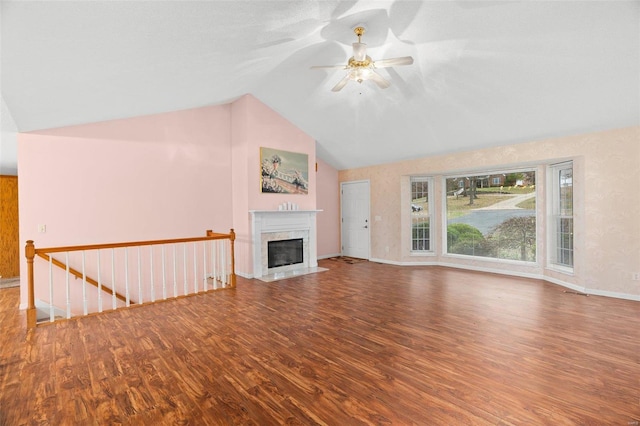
(614, 294)
(327, 256)
(579, 289)
(243, 275)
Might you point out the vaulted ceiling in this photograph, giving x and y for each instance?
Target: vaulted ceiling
(486, 73)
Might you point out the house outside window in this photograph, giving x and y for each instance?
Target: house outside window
(492, 222)
(421, 214)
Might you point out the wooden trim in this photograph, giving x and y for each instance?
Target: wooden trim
(9, 223)
(213, 236)
(30, 254)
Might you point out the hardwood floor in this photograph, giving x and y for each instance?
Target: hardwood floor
(362, 343)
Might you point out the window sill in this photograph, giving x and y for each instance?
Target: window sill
(490, 259)
(561, 269)
(422, 253)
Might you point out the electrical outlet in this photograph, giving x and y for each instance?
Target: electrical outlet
(42, 229)
(635, 276)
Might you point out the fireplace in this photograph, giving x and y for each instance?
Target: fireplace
(273, 226)
(285, 252)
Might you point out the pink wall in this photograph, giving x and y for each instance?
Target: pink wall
(254, 125)
(155, 177)
(240, 149)
(328, 220)
(127, 179)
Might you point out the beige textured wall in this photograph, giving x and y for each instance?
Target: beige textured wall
(606, 204)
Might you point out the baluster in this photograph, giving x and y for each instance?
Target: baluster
(195, 269)
(153, 290)
(99, 284)
(204, 264)
(114, 301)
(223, 265)
(126, 276)
(84, 285)
(67, 289)
(214, 254)
(164, 275)
(175, 273)
(52, 315)
(140, 298)
(184, 266)
(219, 262)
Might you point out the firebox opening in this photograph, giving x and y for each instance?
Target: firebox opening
(284, 252)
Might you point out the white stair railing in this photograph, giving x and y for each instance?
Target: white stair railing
(156, 266)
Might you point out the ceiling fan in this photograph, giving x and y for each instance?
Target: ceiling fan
(361, 67)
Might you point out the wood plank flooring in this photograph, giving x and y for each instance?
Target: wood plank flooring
(360, 344)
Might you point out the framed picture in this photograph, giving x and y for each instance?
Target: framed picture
(284, 172)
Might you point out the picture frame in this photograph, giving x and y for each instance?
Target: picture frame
(284, 172)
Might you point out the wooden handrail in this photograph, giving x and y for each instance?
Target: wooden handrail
(213, 236)
(31, 251)
(78, 274)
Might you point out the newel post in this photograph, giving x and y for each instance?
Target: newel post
(30, 253)
(232, 238)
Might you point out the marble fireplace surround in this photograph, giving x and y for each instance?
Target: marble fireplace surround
(273, 225)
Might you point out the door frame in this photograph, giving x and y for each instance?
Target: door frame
(342, 184)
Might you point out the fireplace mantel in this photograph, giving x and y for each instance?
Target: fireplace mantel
(278, 221)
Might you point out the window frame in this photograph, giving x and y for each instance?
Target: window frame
(489, 172)
(432, 246)
(554, 215)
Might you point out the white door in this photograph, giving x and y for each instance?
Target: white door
(355, 219)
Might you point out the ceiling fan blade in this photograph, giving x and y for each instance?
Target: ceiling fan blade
(335, 67)
(359, 51)
(381, 82)
(341, 84)
(393, 62)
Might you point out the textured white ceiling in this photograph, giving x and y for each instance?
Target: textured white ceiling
(486, 73)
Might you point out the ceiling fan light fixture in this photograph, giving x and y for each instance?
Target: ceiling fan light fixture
(359, 51)
(361, 67)
(360, 74)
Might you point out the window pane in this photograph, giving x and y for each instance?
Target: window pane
(566, 192)
(420, 229)
(563, 212)
(420, 235)
(488, 221)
